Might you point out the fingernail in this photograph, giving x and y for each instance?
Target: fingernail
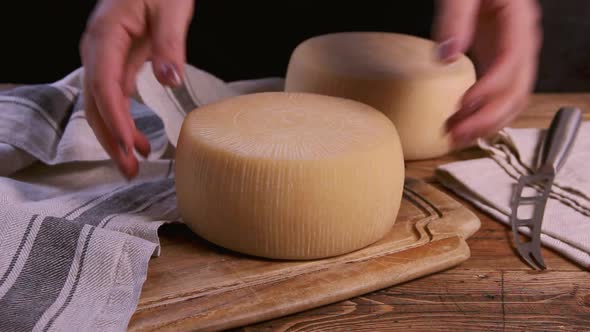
(122, 170)
(169, 72)
(144, 154)
(128, 174)
(446, 51)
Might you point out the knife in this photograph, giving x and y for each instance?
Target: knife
(183, 96)
(553, 153)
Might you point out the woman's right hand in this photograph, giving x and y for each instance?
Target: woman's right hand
(121, 35)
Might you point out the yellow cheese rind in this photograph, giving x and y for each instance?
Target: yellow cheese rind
(395, 73)
(289, 176)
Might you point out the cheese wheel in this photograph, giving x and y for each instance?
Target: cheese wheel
(397, 74)
(288, 175)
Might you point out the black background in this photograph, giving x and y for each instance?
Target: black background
(232, 39)
(237, 39)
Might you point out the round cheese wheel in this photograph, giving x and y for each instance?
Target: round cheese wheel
(395, 73)
(288, 175)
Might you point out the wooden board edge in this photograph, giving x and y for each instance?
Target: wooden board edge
(386, 271)
(453, 219)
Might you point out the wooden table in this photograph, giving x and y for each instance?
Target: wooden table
(492, 291)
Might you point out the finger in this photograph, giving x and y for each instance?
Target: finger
(105, 56)
(454, 27)
(142, 144)
(125, 160)
(515, 41)
(497, 113)
(484, 121)
(138, 55)
(168, 38)
(461, 115)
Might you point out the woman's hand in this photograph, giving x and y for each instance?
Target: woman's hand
(120, 36)
(504, 37)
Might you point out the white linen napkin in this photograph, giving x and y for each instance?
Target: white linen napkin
(488, 183)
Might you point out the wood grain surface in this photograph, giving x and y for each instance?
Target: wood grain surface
(195, 285)
(494, 290)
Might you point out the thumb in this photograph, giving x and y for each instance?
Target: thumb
(169, 22)
(454, 27)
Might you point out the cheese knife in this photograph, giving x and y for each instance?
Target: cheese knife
(184, 97)
(553, 153)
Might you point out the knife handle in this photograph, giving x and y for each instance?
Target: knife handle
(560, 138)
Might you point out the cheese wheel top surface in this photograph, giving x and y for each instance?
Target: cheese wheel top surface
(377, 55)
(287, 126)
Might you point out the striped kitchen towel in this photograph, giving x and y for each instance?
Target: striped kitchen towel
(75, 236)
(75, 241)
(47, 123)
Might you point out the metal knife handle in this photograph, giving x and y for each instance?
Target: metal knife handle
(559, 139)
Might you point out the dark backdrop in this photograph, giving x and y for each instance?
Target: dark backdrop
(236, 39)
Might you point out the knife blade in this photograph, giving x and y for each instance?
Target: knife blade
(184, 97)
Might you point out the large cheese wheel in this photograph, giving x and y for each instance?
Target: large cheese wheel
(290, 176)
(397, 74)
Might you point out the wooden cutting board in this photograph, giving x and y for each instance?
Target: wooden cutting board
(195, 285)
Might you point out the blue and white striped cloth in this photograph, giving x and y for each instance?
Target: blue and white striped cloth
(75, 236)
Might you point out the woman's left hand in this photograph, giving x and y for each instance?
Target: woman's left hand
(504, 37)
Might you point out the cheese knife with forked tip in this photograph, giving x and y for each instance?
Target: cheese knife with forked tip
(552, 155)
